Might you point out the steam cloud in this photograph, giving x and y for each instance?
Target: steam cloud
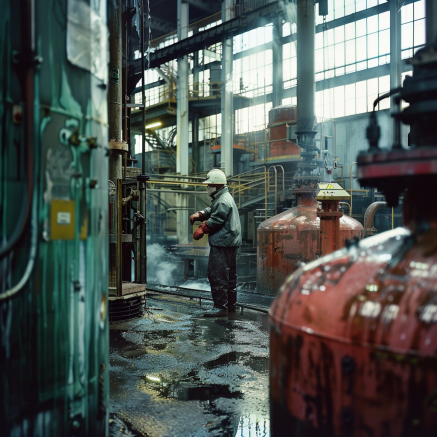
(160, 265)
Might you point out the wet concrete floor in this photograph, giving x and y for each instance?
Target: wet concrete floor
(175, 373)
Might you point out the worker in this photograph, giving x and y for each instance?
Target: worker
(221, 222)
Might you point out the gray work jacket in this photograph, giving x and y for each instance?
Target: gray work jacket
(223, 219)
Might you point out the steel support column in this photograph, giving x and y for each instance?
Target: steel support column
(195, 152)
(227, 110)
(395, 67)
(114, 89)
(182, 96)
(277, 61)
(182, 118)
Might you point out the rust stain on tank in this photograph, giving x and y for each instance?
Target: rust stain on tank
(367, 360)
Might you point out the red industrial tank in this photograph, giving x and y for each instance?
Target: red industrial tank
(353, 341)
(291, 237)
(353, 335)
(279, 117)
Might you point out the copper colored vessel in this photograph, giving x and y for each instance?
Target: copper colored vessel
(279, 117)
(292, 237)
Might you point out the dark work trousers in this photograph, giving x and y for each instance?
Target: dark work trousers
(222, 275)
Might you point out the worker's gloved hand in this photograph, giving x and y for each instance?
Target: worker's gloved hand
(201, 231)
(197, 216)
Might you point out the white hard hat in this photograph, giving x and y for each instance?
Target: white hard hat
(215, 176)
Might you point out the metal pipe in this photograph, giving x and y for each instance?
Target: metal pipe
(276, 186)
(159, 190)
(115, 89)
(32, 256)
(265, 191)
(395, 70)
(370, 214)
(350, 178)
(119, 257)
(431, 22)
(142, 184)
(345, 203)
(143, 94)
(306, 88)
(27, 62)
(283, 177)
(335, 142)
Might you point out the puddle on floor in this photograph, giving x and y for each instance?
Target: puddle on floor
(198, 378)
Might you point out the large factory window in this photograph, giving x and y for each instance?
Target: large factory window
(254, 118)
(353, 47)
(253, 38)
(252, 73)
(413, 28)
(289, 65)
(351, 99)
(341, 8)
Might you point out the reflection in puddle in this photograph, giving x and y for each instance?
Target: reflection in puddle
(189, 388)
(253, 425)
(258, 364)
(198, 377)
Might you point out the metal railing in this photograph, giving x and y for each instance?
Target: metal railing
(276, 183)
(204, 89)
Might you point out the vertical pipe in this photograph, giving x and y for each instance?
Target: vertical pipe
(431, 22)
(306, 88)
(143, 94)
(266, 176)
(195, 153)
(395, 69)
(277, 61)
(182, 114)
(142, 184)
(305, 65)
(115, 89)
(195, 148)
(227, 109)
(350, 183)
(119, 261)
(126, 136)
(27, 79)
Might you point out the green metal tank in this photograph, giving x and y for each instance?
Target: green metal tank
(54, 378)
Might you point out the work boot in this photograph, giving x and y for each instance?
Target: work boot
(216, 312)
(232, 309)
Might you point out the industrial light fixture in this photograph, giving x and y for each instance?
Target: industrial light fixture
(156, 124)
